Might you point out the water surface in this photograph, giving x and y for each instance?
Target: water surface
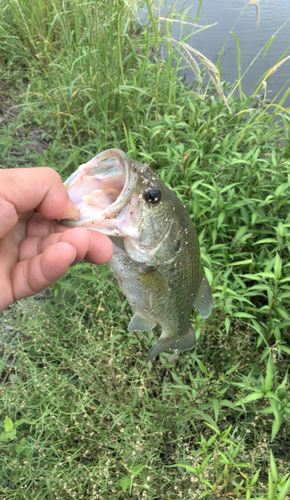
(251, 38)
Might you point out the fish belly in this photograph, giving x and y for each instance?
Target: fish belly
(153, 294)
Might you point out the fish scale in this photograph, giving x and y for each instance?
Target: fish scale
(156, 250)
(164, 294)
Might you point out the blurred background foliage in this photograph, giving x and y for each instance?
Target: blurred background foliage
(82, 416)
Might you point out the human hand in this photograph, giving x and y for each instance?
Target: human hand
(35, 251)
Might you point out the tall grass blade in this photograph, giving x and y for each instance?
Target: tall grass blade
(239, 65)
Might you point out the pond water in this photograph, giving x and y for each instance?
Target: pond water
(274, 21)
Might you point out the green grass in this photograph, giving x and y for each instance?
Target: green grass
(81, 415)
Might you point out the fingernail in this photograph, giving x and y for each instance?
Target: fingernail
(73, 259)
(91, 244)
(73, 212)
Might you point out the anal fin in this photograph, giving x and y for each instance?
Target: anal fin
(182, 343)
(203, 301)
(140, 324)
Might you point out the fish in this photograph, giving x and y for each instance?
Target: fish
(156, 256)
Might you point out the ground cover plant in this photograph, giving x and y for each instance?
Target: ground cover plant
(81, 414)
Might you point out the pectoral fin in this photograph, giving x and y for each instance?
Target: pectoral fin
(183, 343)
(140, 324)
(203, 301)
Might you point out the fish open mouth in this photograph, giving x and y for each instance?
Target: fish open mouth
(103, 190)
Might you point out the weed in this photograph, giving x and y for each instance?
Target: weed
(214, 422)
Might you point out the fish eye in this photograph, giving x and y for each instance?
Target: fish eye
(153, 195)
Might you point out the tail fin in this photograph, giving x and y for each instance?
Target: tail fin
(183, 343)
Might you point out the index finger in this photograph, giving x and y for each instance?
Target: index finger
(38, 188)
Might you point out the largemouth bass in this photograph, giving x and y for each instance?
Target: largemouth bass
(156, 251)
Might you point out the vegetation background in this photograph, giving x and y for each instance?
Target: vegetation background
(81, 415)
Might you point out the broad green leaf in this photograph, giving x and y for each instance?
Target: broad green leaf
(132, 143)
(251, 276)
(201, 365)
(268, 409)
(89, 277)
(236, 450)
(188, 467)
(254, 218)
(6, 436)
(230, 186)
(232, 369)
(208, 274)
(266, 240)
(275, 428)
(283, 492)
(275, 408)
(273, 397)
(213, 427)
(242, 464)
(282, 312)
(177, 379)
(284, 280)
(136, 469)
(208, 419)
(258, 327)
(221, 218)
(242, 262)
(124, 482)
(8, 424)
(243, 315)
(267, 275)
(278, 266)
(226, 402)
(226, 433)
(225, 459)
(203, 464)
(255, 478)
(214, 235)
(240, 233)
(280, 189)
(211, 440)
(250, 397)
(227, 324)
(20, 422)
(269, 379)
(205, 481)
(201, 193)
(285, 349)
(273, 467)
(204, 494)
(270, 486)
(134, 400)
